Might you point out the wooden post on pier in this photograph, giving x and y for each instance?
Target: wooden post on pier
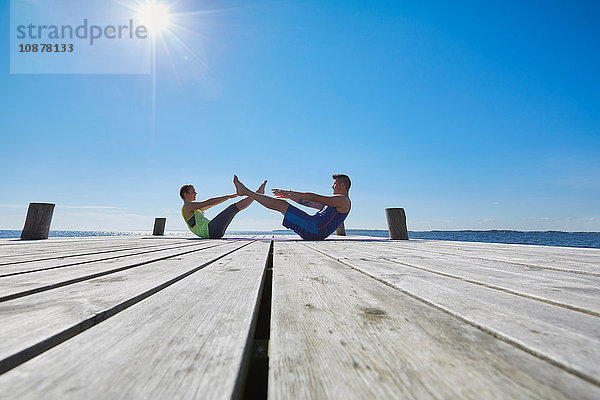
(37, 222)
(159, 226)
(341, 230)
(396, 219)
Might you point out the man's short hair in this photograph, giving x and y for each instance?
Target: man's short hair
(184, 189)
(345, 179)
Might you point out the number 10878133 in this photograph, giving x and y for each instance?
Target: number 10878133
(46, 48)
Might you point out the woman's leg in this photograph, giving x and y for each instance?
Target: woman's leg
(218, 225)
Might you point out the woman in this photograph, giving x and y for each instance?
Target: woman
(193, 212)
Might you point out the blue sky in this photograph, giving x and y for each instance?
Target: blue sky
(468, 115)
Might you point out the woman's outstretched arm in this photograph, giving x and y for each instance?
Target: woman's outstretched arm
(216, 200)
(206, 204)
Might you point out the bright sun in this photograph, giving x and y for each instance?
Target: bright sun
(155, 16)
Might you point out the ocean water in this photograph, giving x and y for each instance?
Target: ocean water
(547, 238)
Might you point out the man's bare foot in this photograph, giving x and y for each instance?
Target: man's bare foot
(240, 189)
(261, 188)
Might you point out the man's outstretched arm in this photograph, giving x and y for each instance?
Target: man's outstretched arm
(311, 204)
(289, 194)
(341, 203)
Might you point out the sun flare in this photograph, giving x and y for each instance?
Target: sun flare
(155, 16)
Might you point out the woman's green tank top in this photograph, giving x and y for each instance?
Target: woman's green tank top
(197, 223)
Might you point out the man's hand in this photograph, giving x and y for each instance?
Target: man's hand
(282, 194)
(297, 197)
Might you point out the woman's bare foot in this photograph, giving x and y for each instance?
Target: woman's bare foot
(261, 188)
(240, 189)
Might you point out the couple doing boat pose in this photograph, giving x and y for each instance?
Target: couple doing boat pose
(333, 209)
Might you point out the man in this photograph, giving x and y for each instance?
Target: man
(333, 209)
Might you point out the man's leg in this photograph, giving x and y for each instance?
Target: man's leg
(244, 203)
(269, 202)
(218, 225)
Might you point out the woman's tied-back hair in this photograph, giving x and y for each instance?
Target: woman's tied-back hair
(184, 189)
(345, 179)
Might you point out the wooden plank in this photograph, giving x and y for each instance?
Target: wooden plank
(569, 265)
(79, 248)
(189, 340)
(32, 323)
(336, 333)
(25, 284)
(58, 241)
(32, 253)
(352, 238)
(585, 259)
(11, 245)
(566, 338)
(86, 257)
(525, 248)
(73, 249)
(76, 248)
(18, 242)
(570, 259)
(570, 290)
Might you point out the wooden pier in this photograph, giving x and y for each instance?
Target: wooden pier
(174, 317)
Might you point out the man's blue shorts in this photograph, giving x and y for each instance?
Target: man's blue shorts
(302, 223)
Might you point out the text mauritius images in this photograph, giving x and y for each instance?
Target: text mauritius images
(83, 31)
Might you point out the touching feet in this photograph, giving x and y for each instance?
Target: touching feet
(240, 189)
(242, 204)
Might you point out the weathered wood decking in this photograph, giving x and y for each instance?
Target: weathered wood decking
(176, 317)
